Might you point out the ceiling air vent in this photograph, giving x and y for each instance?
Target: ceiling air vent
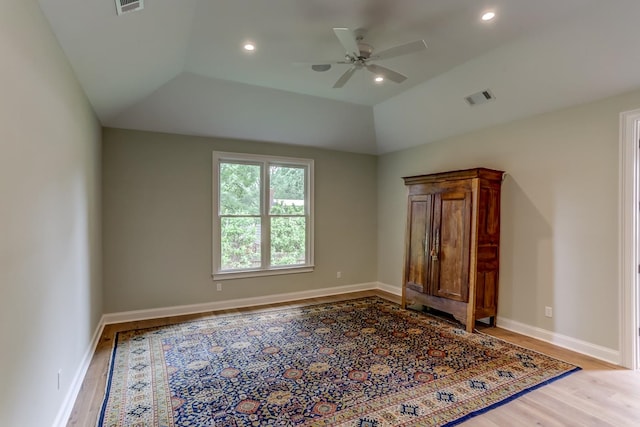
(481, 97)
(125, 6)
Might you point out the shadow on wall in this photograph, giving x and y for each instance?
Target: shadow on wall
(526, 257)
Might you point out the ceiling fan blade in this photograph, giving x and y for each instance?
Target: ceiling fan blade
(344, 78)
(403, 49)
(386, 73)
(348, 41)
(309, 64)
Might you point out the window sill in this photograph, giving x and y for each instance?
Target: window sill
(260, 273)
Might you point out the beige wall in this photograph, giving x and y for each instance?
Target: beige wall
(559, 239)
(559, 223)
(50, 301)
(157, 220)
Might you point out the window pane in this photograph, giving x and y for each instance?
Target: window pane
(240, 243)
(288, 236)
(239, 189)
(287, 190)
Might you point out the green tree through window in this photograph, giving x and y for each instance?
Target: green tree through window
(287, 208)
(263, 212)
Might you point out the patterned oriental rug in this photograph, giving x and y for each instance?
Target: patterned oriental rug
(362, 362)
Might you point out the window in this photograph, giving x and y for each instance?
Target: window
(263, 215)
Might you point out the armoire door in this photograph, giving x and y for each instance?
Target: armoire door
(450, 252)
(420, 223)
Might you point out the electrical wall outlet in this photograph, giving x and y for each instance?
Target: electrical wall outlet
(548, 311)
(339, 275)
(218, 286)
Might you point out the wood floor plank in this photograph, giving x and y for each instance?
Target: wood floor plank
(601, 394)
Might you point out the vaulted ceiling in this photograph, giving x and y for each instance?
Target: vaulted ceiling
(178, 66)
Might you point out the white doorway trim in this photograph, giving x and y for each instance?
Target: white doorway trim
(629, 239)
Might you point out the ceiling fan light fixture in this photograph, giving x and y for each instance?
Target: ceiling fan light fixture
(378, 79)
(320, 67)
(488, 15)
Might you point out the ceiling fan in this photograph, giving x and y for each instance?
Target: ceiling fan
(360, 55)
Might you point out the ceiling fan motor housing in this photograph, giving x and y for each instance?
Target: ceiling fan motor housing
(365, 50)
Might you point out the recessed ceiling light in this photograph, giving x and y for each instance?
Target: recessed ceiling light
(249, 47)
(488, 16)
(379, 79)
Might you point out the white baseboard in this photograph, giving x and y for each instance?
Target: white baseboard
(74, 389)
(395, 290)
(153, 313)
(584, 347)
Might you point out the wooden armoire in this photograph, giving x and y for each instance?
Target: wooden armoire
(453, 243)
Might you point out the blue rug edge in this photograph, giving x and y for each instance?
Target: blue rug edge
(510, 398)
(107, 389)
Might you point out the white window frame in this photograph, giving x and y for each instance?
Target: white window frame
(265, 269)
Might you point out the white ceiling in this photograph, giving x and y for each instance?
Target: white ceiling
(178, 66)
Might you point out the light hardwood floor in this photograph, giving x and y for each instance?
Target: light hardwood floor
(600, 395)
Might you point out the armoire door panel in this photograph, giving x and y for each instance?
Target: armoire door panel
(454, 239)
(420, 217)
